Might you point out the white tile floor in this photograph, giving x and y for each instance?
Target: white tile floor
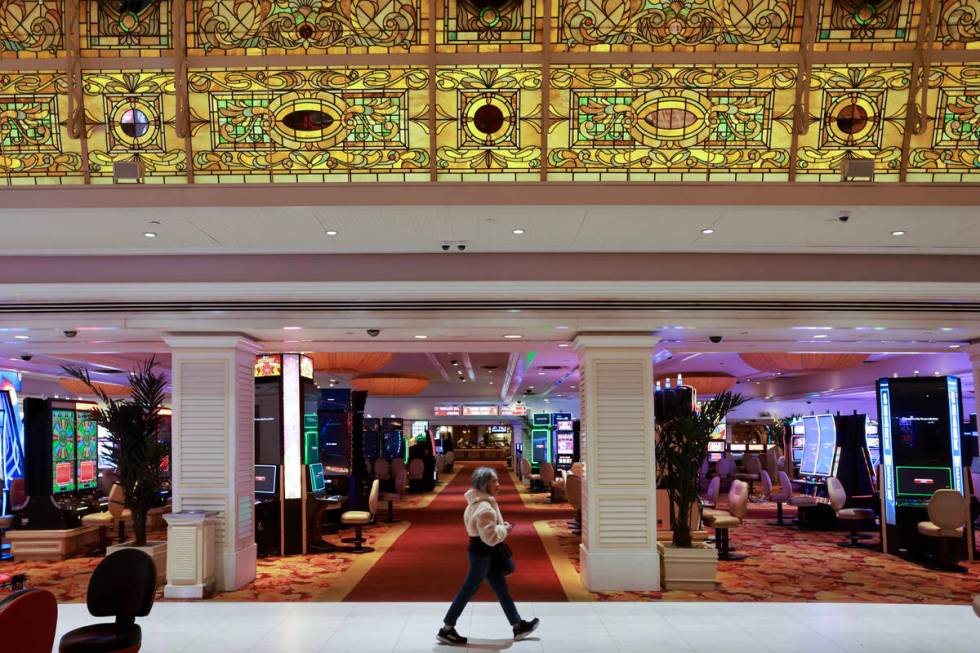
(565, 627)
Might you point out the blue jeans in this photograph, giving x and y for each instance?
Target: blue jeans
(481, 568)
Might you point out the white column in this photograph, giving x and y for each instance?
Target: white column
(619, 520)
(213, 444)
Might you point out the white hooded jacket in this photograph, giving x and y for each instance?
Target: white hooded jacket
(483, 519)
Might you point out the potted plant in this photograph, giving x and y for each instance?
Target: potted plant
(682, 446)
(134, 449)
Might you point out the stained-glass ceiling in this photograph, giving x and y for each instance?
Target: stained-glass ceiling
(259, 91)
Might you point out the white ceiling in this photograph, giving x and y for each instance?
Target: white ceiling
(414, 229)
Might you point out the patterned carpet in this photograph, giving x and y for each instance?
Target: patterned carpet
(788, 565)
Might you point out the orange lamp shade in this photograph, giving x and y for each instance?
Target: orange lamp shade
(351, 362)
(704, 383)
(801, 363)
(76, 387)
(390, 385)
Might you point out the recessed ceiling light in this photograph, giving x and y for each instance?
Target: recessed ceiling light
(149, 234)
(954, 346)
(540, 373)
(563, 327)
(421, 337)
(707, 232)
(820, 335)
(332, 232)
(513, 336)
(22, 337)
(518, 232)
(945, 328)
(898, 232)
(879, 328)
(564, 344)
(391, 416)
(292, 328)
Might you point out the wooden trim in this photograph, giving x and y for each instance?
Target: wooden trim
(431, 60)
(545, 86)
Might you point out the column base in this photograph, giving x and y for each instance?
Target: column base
(238, 569)
(610, 571)
(186, 591)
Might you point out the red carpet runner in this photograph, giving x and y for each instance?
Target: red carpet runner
(428, 562)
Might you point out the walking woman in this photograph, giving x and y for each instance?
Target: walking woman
(489, 558)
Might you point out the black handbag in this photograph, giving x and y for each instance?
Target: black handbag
(503, 559)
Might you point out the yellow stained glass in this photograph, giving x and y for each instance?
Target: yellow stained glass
(129, 116)
(125, 28)
(31, 29)
(35, 147)
(860, 26)
(278, 27)
(687, 25)
(488, 123)
(856, 112)
(489, 25)
(633, 123)
(958, 27)
(948, 150)
(310, 124)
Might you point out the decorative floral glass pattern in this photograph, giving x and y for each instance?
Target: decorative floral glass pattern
(959, 24)
(125, 28)
(337, 124)
(863, 25)
(489, 25)
(680, 123)
(645, 25)
(307, 26)
(35, 147)
(130, 115)
(488, 123)
(856, 112)
(949, 148)
(30, 29)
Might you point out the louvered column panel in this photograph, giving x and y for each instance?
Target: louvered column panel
(213, 444)
(619, 548)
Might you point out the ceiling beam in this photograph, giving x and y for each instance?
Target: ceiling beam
(468, 364)
(436, 363)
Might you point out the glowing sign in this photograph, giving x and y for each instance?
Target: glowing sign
(268, 365)
(953, 389)
(887, 453)
(447, 411)
(480, 411)
(306, 367)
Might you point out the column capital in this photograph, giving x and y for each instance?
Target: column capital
(608, 340)
(211, 341)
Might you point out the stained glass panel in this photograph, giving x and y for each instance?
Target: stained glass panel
(959, 25)
(488, 123)
(862, 25)
(623, 123)
(856, 112)
(31, 29)
(129, 115)
(35, 147)
(125, 28)
(312, 125)
(276, 27)
(949, 148)
(686, 25)
(489, 25)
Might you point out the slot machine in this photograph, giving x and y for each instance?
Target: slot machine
(540, 440)
(564, 433)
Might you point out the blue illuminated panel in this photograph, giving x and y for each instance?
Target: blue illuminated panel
(887, 454)
(953, 390)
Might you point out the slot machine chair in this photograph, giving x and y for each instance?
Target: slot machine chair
(401, 480)
(360, 518)
(725, 468)
(948, 513)
(416, 475)
(752, 473)
(28, 620)
(780, 497)
(117, 513)
(853, 516)
(528, 477)
(450, 459)
(722, 522)
(440, 465)
(546, 476)
(123, 586)
(710, 502)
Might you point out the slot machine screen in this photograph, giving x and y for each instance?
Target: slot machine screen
(922, 481)
(335, 441)
(62, 451)
(86, 451)
(827, 448)
(265, 479)
(757, 448)
(716, 450)
(565, 443)
(539, 442)
(317, 481)
(811, 444)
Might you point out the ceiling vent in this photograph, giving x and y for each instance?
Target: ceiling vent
(858, 170)
(127, 172)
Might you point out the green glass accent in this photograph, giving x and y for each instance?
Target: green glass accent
(529, 358)
(311, 440)
(825, 34)
(865, 14)
(605, 125)
(900, 33)
(129, 21)
(489, 17)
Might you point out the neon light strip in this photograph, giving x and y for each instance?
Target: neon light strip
(292, 443)
(953, 391)
(885, 426)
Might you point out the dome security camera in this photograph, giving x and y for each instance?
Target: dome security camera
(844, 216)
(70, 333)
(461, 248)
(26, 357)
(445, 247)
(374, 333)
(715, 339)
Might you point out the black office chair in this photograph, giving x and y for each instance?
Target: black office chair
(122, 586)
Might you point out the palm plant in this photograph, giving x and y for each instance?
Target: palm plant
(682, 446)
(134, 447)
